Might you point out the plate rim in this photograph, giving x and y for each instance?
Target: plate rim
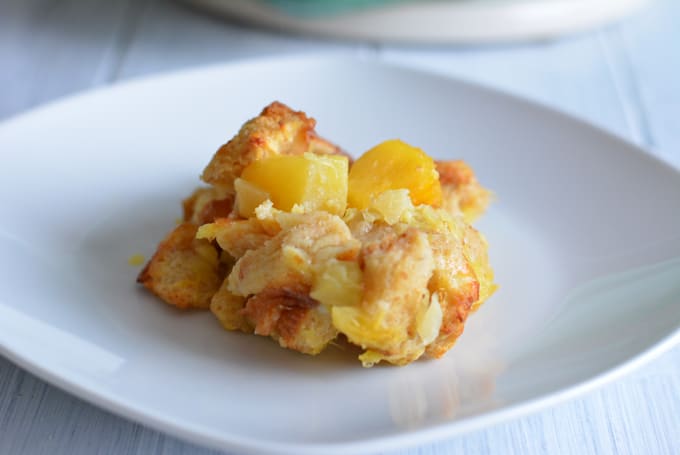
(408, 438)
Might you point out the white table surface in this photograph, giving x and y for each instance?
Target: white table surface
(625, 78)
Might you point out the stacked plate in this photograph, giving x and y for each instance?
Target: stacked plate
(428, 21)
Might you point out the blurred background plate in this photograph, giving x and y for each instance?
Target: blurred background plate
(430, 21)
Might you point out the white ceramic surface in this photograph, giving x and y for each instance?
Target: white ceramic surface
(585, 239)
(436, 21)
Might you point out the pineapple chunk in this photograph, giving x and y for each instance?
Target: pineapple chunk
(309, 182)
(365, 329)
(430, 322)
(393, 206)
(394, 165)
(338, 284)
(248, 197)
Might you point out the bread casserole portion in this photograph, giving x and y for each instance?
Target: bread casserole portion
(294, 241)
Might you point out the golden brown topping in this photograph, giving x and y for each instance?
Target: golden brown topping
(205, 205)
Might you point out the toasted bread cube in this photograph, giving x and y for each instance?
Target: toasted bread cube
(228, 309)
(185, 272)
(291, 317)
(397, 268)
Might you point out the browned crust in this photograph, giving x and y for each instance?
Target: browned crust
(189, 204)
(215, 209)
(461, 191)
(184, 272)
(280, 313)
(456, 306)
(457, 287)
(205, 205)
(456, 173)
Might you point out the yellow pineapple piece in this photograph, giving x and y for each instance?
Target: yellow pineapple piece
(248, 197)
(394, 165)
(431, 321)
(338, 284)
(393, 206)
(310, 182)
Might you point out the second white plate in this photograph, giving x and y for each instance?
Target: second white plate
(584, 239)
(452, 21)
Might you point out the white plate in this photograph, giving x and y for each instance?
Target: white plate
(453, 21)
(584, 238)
